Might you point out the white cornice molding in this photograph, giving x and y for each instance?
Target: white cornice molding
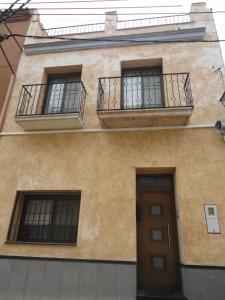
(190, 34)
(101, 130)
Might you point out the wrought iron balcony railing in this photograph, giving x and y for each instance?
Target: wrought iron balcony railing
(145, 92)
(155, 21)
(77, 29)
(126, 24)
(52, 98)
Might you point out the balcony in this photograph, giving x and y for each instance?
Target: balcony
(145, 100)
(51, 106)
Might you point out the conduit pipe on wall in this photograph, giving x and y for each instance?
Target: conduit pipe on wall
(6, 101)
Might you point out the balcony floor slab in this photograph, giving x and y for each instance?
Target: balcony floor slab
(50, 122)
(145, 117)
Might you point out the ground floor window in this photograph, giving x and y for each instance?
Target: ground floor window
(45, 217)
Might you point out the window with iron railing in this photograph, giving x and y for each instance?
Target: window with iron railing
(140, 85)
(62, 94)
(144, 88)
(45, 217)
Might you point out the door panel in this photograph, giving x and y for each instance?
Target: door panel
(55, 97)
(72, 92)
(62, 94)
(158, 257)
(132, 89)
(152, 89)
(142, 88)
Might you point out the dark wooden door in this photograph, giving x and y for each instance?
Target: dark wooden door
(158, 257)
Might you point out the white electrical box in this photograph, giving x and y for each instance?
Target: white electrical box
(212, 220)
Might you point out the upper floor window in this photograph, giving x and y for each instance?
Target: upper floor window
(45, 217)
(142, 88)
(62, 93)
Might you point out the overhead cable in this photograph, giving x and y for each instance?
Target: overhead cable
(10, 11)
(75, 1)
(166, 14)
(108, 39)
(114, 7)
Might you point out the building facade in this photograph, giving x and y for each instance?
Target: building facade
(10, 53)
(112, 174)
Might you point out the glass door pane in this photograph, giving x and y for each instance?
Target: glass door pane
(132, 89)
(152, 87)
(63, 93)
(152, 90)
(55, 98)
(72, 97)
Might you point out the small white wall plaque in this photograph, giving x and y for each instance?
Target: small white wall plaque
(212, 220)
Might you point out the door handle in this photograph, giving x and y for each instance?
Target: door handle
(169, 238)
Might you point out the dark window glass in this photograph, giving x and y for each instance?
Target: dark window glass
(142, 88)
(156, 210)
(63, 93)
(155, 182)
(211, 211)
(45, 217)
(157, 235)
(158, 262)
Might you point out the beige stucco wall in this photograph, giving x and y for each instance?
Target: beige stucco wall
(198, 59)
(103, 164)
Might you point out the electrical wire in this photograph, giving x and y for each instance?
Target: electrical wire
(89, 1)
(7, 36)
(10, 11)
(75, 1)
(6, 58)
(12, 4)
(114, 7)
(168, 14)
(94, 1)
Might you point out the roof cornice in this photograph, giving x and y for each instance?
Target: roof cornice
(192, 34)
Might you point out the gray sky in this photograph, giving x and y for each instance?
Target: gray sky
(57, 21)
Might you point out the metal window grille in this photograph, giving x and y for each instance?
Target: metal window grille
(45, 217)
(155, 182)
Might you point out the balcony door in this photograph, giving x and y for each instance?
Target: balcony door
(62, 94)
(142, 88)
